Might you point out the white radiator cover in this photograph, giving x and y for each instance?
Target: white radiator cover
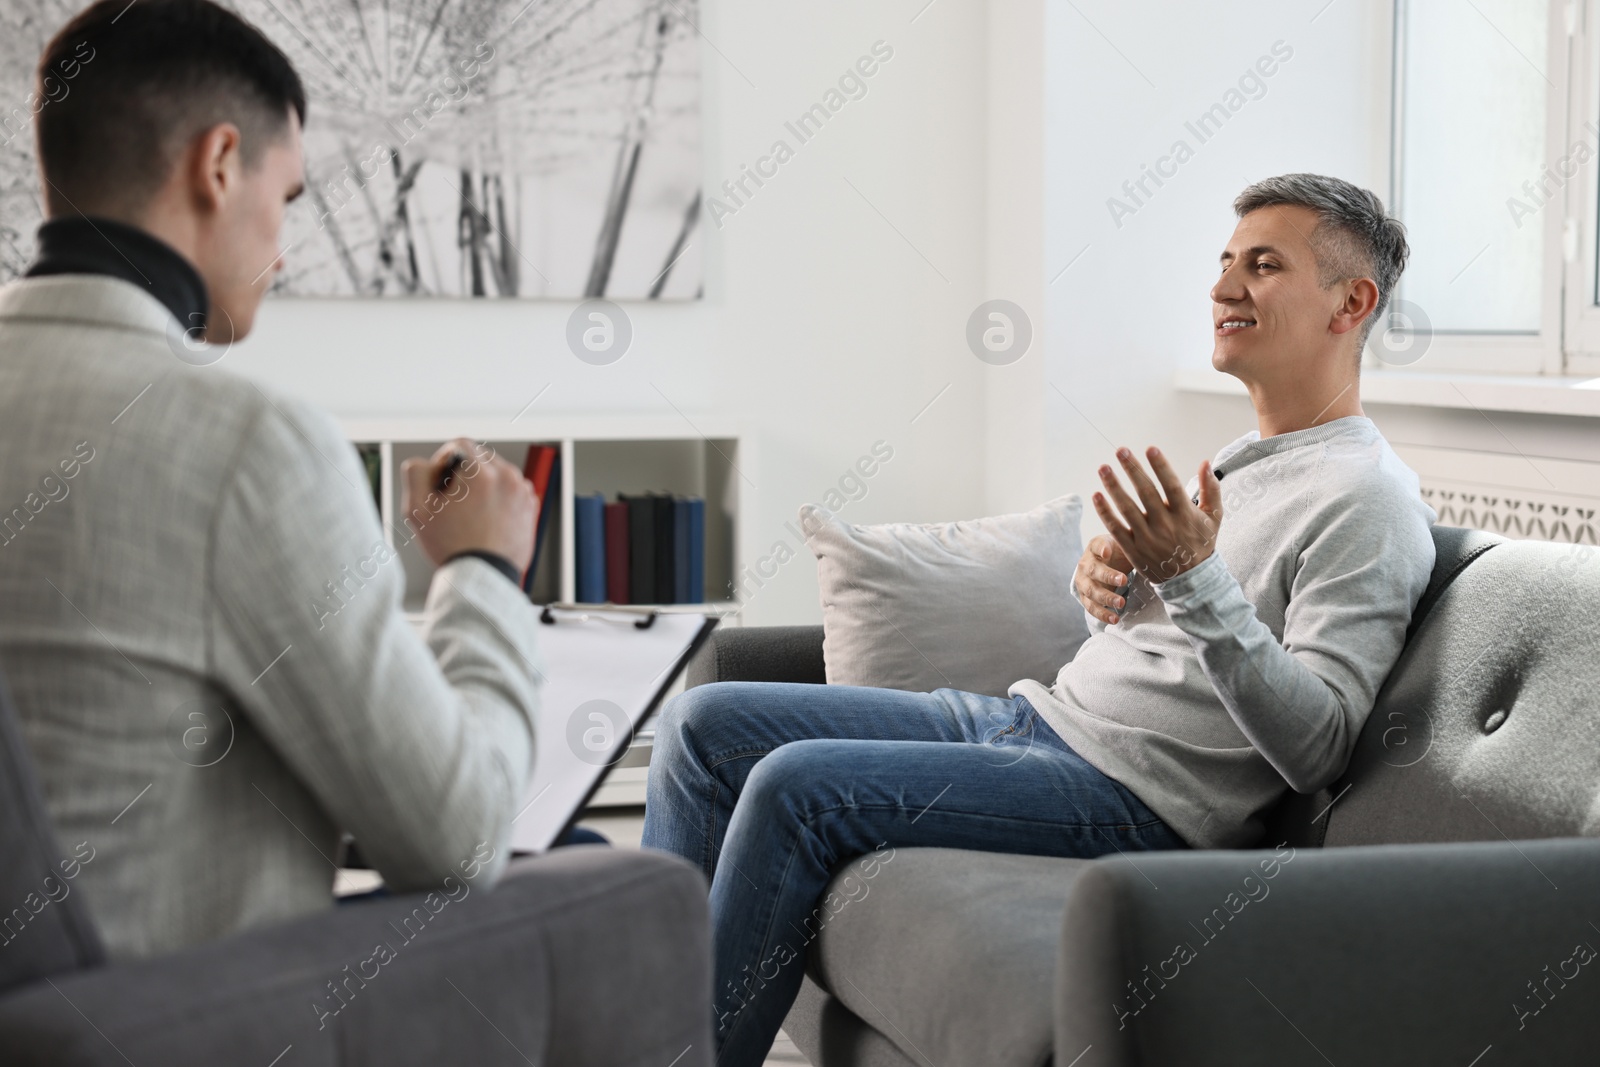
(1520, 496)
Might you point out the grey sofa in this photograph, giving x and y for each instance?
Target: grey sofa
(588, 955)
(1438, 905)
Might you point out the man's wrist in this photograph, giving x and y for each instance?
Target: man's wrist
(1195, 582)
(495, 560)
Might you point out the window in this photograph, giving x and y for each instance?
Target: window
(1495, 184)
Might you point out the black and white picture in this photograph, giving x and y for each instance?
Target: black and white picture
(469, 148)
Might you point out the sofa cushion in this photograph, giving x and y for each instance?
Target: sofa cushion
(950, 954)
(827, 1032)
(972, 605)
(1486, 729)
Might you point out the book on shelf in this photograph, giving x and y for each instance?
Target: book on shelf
(661, 506)
(696, 593)
(680, 549)
(616, 518)
(643, 548)
(543, 469)
(589, 510)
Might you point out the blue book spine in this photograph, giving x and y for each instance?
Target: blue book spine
(680, 551)
(590, 518)
(697, 551)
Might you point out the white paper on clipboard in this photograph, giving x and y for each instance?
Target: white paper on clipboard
(604, 675)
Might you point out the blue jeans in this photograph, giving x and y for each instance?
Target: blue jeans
(770, 787)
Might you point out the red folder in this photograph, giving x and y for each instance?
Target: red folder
(540, 462)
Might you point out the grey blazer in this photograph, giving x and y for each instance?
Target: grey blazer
(200, 623)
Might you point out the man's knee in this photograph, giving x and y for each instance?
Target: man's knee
(783, 780)
(688, 708)
(684, 716)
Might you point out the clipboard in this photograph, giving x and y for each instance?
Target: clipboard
(607, 669)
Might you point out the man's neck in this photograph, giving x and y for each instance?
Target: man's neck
(1303, 405)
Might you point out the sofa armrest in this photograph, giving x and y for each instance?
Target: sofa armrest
(584, 955)
(1387, 954)
(760, 654)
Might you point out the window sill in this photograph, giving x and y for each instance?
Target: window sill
(1494, 392)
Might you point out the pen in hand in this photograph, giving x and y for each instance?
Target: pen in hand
(454, 464)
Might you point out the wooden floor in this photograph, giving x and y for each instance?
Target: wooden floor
(623, 826)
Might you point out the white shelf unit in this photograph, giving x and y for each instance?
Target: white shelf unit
(610, 454)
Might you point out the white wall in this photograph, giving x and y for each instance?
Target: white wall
(1122, 81)
(823, 329)
(1015, 198)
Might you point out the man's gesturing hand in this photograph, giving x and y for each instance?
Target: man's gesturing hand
(1167, 536)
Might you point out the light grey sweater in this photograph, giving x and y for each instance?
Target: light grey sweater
(1254, 671)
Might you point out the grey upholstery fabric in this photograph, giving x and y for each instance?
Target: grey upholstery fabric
(760, 654)
(1487, 728)
(1377, 955)
(44, 929)
(950, 954)
(587, 955)
(827, 1032)
(1456, 547)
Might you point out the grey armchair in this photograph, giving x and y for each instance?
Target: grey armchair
(585, 956)
(1440, 904)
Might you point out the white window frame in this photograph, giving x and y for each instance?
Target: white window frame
(1583, 192)
(1481, 352)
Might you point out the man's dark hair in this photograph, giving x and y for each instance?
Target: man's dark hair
(129, 85)
(1354, 237)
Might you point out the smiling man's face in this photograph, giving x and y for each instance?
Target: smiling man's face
(1269, 312)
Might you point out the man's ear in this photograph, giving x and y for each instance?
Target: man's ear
(1360, 300)
(214, 165)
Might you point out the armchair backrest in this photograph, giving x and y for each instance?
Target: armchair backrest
(1488, 728)
(1302, 819)
(44, 927)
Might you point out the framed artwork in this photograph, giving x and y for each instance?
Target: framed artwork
(460, 148)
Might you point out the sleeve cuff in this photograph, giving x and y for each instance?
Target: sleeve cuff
(465, 592)
(1195, 585)
(495, 560)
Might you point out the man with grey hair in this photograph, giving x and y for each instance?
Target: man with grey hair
(1227, 662)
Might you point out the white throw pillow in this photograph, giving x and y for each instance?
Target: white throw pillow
(972, 605)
